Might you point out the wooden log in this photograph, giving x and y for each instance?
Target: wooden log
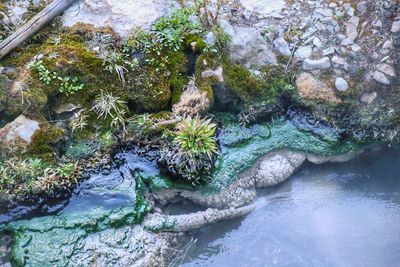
(51, 11)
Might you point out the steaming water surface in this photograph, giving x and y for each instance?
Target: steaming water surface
(329, 215)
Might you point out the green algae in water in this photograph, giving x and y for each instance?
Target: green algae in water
(241, 147)
(54, 240)
(58, 240)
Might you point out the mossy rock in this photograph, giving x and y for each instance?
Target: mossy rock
(46, 142)
(10, 106)
(149, 91)
(82, 32)
(265, 87)
(199, 42)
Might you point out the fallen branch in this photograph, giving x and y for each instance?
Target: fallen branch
(34, 25)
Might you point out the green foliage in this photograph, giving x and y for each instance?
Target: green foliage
(195, 136)
(66, 170)
(34, 175)
(70, 85)
(67, 85)
(170, 31)
(79, 150)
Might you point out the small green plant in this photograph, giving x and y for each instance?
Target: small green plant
(222, 41)
(195, 136)
(67, 85)
(45, 75)
(170, 31)
(106, 105)
(66, 170)
(143, 125)
(70, 85)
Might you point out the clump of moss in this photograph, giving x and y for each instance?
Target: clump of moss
(270, 83)
(45, 141)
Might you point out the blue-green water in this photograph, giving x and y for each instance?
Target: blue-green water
(330, 215)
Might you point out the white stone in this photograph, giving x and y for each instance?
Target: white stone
(264, 7)
(303, 52)
(328, 51)
(381, 78)
(313, 64)
(341, 84)
(368, 98)
(324, 12)
(247, 46)
(386, 69)
(351, 30)
(355, 48)
(338, 60)
(388, 44)
(23, 128)
(396, 26)
(282, 46)
(362, 6)
(317, 42)
(121, 15)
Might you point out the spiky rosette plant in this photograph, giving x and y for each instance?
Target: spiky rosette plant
(195, 136)
(192, 153)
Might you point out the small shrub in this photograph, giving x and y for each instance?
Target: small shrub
(35, 175)
(79, 122)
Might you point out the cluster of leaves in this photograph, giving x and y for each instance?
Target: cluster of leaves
(67, 85)
(170, 31)
(191, 154)
(35, 175)
(195, 136)
(167, 34)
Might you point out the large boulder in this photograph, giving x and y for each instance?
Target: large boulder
(247, 46)
(121, 15)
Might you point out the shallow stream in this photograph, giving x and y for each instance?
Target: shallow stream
(329, 215)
